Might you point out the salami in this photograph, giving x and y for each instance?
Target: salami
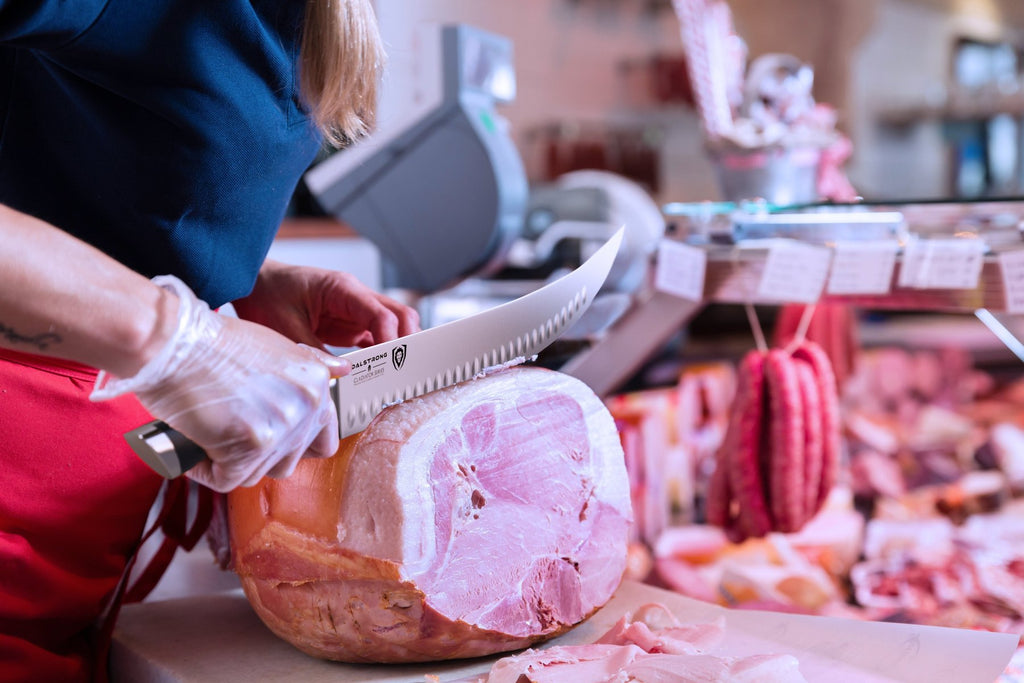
(786, 437)
(745, 464)
(829, 414)
(780, 455)
(833, 327)
(719, 497)
(813, 437)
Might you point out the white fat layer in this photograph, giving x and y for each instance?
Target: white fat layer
(412, 480)
(416, 495)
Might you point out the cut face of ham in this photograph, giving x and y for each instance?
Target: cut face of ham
(473, 520)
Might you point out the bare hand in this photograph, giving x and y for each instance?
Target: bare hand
(320, 307)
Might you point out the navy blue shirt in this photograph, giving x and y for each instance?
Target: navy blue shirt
(167, 133)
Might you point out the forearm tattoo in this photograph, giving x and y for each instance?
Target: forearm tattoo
(40, 342)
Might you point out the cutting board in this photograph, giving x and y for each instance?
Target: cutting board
(219, 638)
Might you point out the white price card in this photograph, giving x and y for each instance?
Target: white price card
(914, 256)
(942, 264)
(680, 270)
(1011, 263)
(794, 272)
(862, 267)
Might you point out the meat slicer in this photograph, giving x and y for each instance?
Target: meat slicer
(441, 193)
(444, 197)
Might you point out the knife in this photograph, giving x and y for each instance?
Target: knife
(397, 370)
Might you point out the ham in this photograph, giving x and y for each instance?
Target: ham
(649, 645)
(476, 519)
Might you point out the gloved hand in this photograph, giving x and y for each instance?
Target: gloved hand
(254, 400)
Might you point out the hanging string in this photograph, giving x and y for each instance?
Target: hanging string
(755, 324)
(801, 329)
(755, 327)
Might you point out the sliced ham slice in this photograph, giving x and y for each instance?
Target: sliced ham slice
(473, 520)
(652, 646)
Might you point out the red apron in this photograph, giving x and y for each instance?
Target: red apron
(74, 500)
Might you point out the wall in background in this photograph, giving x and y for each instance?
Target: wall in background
(869, 56)
(906, 63)
(904, 58)
(569, 57)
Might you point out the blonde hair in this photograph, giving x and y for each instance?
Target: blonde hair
(340, 66)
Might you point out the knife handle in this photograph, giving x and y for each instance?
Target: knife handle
(167, 451)
(170, 453)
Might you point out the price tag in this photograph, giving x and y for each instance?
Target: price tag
(862, 267)
(914, 256)
(795, 272)
(1011, 263)
(680, 270)
(943, 264)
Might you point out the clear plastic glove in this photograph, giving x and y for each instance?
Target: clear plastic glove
(255, 401)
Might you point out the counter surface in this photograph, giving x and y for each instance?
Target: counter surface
(220, 638)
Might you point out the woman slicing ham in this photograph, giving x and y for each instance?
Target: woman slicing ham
(147, 154)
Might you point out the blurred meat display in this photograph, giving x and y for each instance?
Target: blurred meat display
(925, 523)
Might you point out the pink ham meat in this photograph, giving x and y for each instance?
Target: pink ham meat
(476, 519)
(651, 646)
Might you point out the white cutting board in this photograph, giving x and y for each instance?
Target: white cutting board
(219, 638)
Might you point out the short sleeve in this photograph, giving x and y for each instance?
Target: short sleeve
(46, 24)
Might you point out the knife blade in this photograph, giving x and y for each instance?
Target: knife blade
(438, 357)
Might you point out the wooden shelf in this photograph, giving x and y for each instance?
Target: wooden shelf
(616, 356)
(980, 111)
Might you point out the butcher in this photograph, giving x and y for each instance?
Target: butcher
(148, 153)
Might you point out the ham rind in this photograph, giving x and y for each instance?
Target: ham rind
(746, 476)
(786, 456)
(813, 438)
(828, 409)
(476, 519)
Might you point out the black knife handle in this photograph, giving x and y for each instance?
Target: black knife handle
(167, 451)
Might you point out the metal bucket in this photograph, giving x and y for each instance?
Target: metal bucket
(779, 175)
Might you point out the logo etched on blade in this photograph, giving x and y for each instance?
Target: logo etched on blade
(398, 356)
